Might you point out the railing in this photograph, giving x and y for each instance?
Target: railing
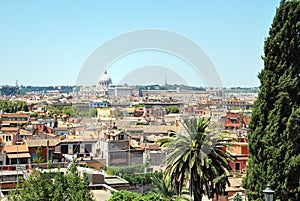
(14, 167)
(45, 165)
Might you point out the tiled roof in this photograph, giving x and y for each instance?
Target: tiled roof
(9, 129)
(21, 155)
(42, 142)
(79, 140)
(161, 129)
(15, 148)
(23, 131)
(15, 115)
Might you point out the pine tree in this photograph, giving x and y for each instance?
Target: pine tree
(274, 137)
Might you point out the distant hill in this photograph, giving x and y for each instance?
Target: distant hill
(168, 87)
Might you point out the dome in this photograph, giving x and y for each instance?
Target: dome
(105, 80)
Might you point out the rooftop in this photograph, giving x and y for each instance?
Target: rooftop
(101, 195)
(42, 142)
(15, 148)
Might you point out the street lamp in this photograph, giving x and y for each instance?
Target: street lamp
(268, 193)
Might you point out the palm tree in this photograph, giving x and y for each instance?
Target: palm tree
(163, 188)
(197, 157)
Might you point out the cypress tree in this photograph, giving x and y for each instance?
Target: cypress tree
(274, 137)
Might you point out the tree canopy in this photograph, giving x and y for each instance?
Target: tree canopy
(128, 195)
(11, 106)
(274, 140)
(197, 157)
(53, 186)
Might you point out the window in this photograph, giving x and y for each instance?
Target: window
(121, 137)
(76, 148)
(8, 138)
(119, 155)
(88, 148)
(237, 167)
(64, 149)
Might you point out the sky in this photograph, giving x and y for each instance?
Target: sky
(45, 43)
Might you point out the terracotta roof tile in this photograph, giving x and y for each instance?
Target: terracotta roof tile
(42, 142)
(21, 155)
(15, 148)
(9, 129)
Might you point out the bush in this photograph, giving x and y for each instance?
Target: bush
(127, 195)
(145, 178)
(114, 170)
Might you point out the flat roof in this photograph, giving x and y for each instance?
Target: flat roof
(101, 195)
(115, 180)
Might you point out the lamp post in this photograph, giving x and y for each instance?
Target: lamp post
(268, 193)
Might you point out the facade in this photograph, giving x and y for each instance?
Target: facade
(47, 148)
(115, 153)
(235, 119)
(240, 153)
(78, 147)
(16, 154)
(105, 113)
(9, 135)
(99, 104)
(14, 119)
(120, 91)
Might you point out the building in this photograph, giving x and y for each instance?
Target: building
(47, 148)
(79, 148)
(105, 113)
(99, 104)
(120, 91)
(239, 151)
(15, 119)
(235, 119)
(9, 135)
(16, 154)
(104, 81)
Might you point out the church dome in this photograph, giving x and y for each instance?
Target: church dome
(105, 80)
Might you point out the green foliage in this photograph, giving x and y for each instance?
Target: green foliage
(130, 196)
(139, 105)
(163, 188)
(13, 106)
(53, 186)
(274, 141)
(237, 197)
(197, 156)
(71, 111)
(77, 112)
(34, 114)
(54, 111)
(67, 110)
(172, 109)
(144, 178)
(169, 87)
(115, 170)
(38, 159)
(9, 90)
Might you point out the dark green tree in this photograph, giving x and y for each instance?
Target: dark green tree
(53, 186)
(131, 196)
(274, 140)
(237, 197)
(197, 157)
(38, 158)
(11, 106)
(172, 109)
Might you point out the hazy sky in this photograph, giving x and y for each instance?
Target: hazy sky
(46, 43)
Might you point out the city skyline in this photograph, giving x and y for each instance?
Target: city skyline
(47, 43)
